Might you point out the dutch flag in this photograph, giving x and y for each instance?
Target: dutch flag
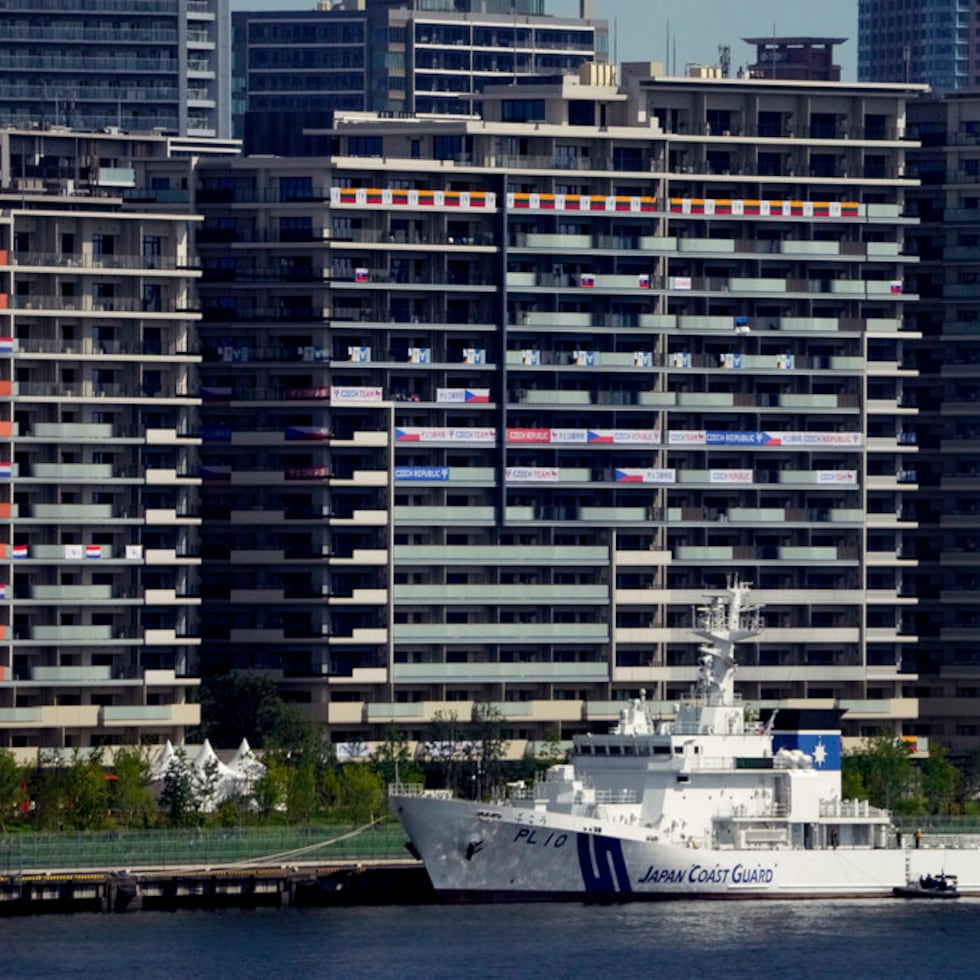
(20, 551)
(93, 551)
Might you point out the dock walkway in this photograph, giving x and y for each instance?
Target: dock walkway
(387, 882)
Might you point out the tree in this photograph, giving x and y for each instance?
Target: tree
(469, 754)
(270, 789)
(446, 747)
(884, 768)
(130, 796)
(204, 785)
(361, 791)
(177, 798)
(243, 705)
(490, 747)
(13, 788)
(71, 793)
(551, 749)
(941, 781)
(393, 761)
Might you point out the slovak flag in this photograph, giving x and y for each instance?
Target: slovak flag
(93, 551)
(362, 275)
(19, 551)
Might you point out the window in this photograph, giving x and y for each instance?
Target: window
(364, 146)
(447, 147)
(523, 110)
(297, 188)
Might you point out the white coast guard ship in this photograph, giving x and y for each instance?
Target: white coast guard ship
(710, 805)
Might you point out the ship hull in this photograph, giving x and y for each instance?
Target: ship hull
(477, 852)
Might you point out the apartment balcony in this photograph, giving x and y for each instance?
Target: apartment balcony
(77, 594)
(493, 633)
(491, 555)
(372, 635)
(73, 431)
(892, 709)
(541, 711)
(444, 515)
(485, 593)
(346, 713)
(93, 675)
(361, 518)
(72, 717)
(361, 556)
(360, 597)
(140, 715)
(73, 634)
(504, 673)
(60, 552)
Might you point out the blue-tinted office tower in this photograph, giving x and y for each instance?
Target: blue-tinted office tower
(926, 41)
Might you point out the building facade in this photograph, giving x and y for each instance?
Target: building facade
(948, 206)
(293, 68)
(99, 555)
(150, 65)
(932, 42)
(488, 404)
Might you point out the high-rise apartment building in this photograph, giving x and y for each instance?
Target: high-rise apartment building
(99, 436)
(141, 66)
(948, 394)
(489, 403)
(932, 42)
(293, 68)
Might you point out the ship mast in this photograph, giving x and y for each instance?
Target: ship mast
(725, 621)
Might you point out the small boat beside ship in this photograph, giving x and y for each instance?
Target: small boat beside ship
(714, 803)
(929, 886)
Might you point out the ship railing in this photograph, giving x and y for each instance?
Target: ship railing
(615, 796)
(851, 809)
(955, 841)
(418, 789)
(775, 811)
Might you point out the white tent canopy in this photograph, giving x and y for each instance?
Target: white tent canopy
(215, 780)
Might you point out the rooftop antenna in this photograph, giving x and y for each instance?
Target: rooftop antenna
(725, 59)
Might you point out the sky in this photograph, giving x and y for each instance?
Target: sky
(639, 30)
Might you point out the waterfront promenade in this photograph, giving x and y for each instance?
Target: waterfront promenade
(212, 846)
(119, 871)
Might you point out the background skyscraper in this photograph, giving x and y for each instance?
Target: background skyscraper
(925, 41)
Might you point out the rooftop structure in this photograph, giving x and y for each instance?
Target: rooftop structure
(804, 59)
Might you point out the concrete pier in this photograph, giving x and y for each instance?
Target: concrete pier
(339, 883)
